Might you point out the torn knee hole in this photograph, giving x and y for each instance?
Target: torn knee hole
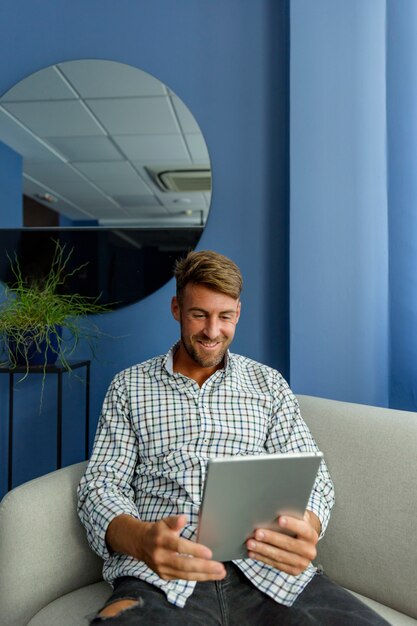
(118, 607)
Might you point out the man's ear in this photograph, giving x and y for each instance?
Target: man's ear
(239, 306)
(175, 308)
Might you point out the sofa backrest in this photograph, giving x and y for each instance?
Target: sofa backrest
(43, 549)
(371, 542)
(370, 545)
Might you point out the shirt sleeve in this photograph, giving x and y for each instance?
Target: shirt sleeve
(105, 491)
(289, 433)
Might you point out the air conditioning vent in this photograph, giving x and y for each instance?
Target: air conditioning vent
(182, 180)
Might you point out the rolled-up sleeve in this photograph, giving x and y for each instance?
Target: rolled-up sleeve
(105, 490)
(290, 433)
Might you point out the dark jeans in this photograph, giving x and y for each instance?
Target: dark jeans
(234, 601)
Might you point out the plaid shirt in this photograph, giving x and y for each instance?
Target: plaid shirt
(156, 431)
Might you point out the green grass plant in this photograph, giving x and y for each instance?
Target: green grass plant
(37, 309)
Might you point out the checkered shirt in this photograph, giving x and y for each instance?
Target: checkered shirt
(156, 431)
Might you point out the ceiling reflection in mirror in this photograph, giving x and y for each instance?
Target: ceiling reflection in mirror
(106, 144)
(115, 167)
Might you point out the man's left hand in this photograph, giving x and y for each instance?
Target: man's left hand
(290, 554)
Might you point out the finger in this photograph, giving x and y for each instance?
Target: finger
(293, 528)
(175, 522)
(293, 560)
(191, 548)
(300, 554)
(190, 568)
(276, 539)
(294, 568)
(299, 527)
(195, 565)
(163, 538)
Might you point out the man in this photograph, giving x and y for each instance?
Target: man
(140, 496)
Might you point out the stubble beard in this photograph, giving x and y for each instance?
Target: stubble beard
(201, 359)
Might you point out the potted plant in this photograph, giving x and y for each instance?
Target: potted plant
(40, 324)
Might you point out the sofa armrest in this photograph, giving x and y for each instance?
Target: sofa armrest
(43, 550)
(371, 543)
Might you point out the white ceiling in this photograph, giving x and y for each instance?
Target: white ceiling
(87, 130)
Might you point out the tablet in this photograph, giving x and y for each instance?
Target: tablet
(242, 493)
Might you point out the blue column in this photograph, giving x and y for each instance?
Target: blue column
(402, 150)
(338, 214)
(11, 186)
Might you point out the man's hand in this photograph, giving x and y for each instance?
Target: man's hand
(160, 546)
(290, 554)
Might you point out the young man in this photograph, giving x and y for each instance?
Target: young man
(140, 496)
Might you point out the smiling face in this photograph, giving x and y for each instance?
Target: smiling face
(208, 321)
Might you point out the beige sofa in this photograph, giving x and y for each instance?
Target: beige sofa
(50, 577)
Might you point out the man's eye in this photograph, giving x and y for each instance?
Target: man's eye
(199, 315)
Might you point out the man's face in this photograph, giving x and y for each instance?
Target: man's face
(208, 321)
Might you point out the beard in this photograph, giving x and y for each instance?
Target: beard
(197, 353)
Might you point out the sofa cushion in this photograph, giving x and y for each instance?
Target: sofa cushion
(74, 608)
(392, 616)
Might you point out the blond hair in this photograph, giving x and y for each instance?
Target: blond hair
(212, 269)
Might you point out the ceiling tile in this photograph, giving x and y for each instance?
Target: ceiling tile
(84, 195)
(135, 116)
(115, 178)
(186, 118)
(15, 136)
(53, 172)
(103, 79)
(86, 148)
(34, 190)
(46, 84)
(153, 148)
(198, 148)
(55, 119)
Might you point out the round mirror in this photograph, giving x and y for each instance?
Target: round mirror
(107, 146)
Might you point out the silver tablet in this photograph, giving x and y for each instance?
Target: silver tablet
(242, 493)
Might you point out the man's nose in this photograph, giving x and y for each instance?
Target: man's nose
(211, 328)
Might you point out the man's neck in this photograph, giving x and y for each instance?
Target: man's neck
(184, 364)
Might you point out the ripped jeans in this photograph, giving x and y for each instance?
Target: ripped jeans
(235, 601)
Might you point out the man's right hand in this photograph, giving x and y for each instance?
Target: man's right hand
(159, 545)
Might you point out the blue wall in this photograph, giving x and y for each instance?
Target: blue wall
(227, 60)
(339, 216)
(353, 262)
